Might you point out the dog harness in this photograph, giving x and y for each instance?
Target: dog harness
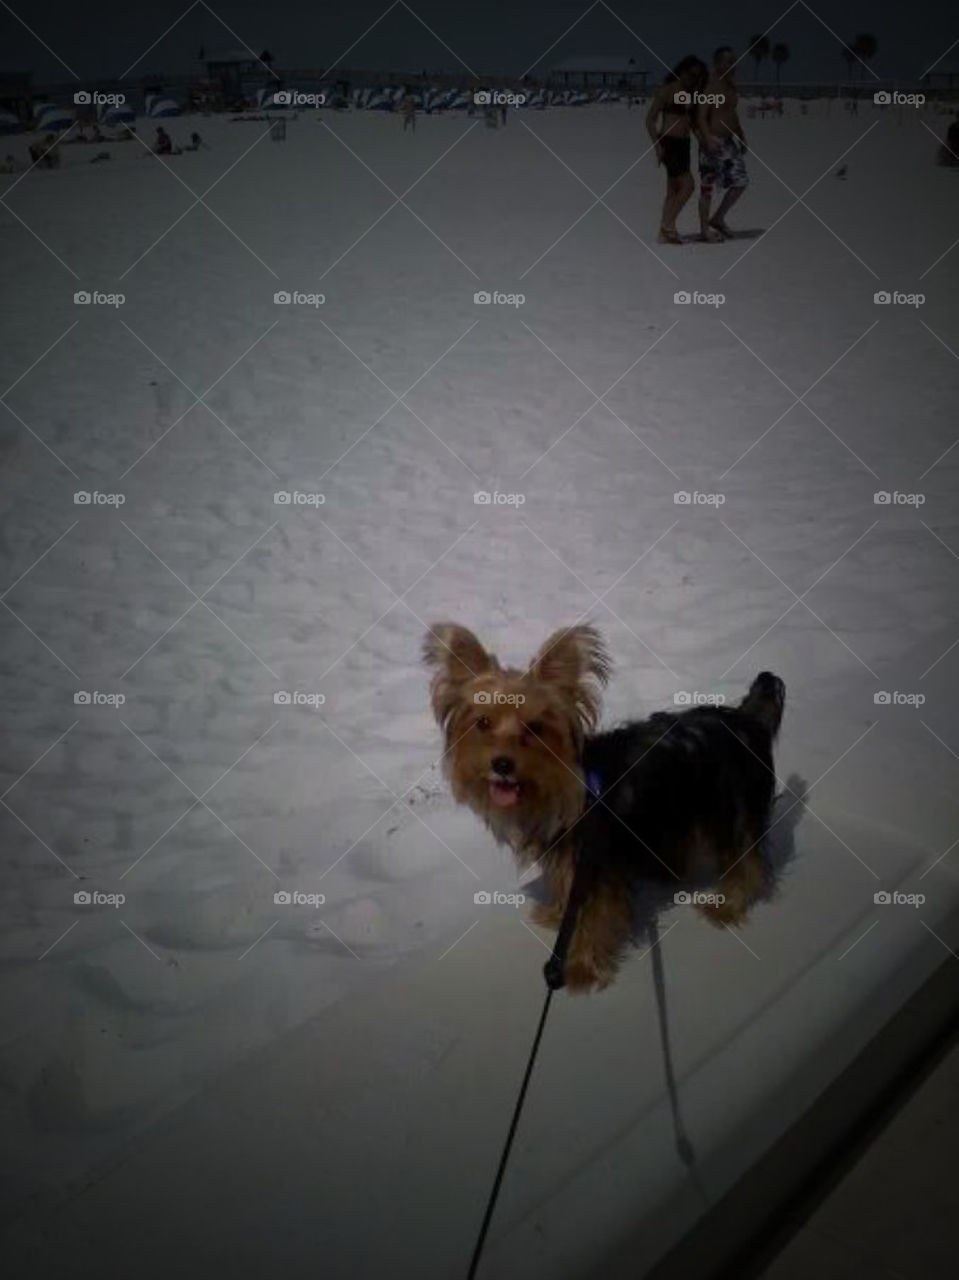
(594, 783)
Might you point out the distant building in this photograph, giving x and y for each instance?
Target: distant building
(599, 71)
(945, 83)
(230, 72)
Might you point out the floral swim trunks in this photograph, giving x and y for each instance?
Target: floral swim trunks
(723, 167)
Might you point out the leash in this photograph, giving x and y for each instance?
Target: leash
(554, 972)
(684, 1147)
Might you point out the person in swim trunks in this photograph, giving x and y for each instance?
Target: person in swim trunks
(722, 145)
(669, 123)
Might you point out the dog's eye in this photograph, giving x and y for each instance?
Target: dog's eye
(484, 723)
(536, 727)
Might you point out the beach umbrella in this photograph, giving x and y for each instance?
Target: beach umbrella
(51, 119)
(266, 98)
(160, 108)
(115, 115)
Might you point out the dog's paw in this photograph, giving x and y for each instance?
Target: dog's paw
(731, 913)
(584, 976)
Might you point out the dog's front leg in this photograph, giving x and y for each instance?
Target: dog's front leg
(599, 939)
(558, 880)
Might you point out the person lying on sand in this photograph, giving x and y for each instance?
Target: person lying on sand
(44, 154)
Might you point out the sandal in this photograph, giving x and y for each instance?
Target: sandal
(712, 236)
(669, 237)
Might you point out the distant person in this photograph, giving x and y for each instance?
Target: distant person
(949, 151)
(44, 154)
(196, 142)
(669, 123)
(408, 112)
(722, 144)
(163, 146)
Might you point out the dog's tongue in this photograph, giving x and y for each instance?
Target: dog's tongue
(504, 794)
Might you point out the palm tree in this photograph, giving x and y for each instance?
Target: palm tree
(759, 49)
(849, 57)
(779, 55)
(865, 47)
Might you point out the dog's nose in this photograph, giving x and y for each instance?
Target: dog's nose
(503, 765)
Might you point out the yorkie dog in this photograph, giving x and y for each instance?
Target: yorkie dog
(675, 796)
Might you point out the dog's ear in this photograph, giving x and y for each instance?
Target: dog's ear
(574, 660)
(455, 656)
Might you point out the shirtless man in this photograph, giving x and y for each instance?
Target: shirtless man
(723, 144)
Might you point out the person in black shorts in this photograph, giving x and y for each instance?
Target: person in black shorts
(669, 123)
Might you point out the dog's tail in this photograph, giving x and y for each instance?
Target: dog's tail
(765, 700)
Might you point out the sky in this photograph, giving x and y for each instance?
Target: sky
(63, 42)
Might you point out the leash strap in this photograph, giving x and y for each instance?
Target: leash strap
(507, 1146)
(684, 1148)
(554, 973)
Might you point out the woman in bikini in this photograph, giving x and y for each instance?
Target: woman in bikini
(670, 124)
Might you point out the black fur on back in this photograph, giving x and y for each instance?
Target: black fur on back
(707, 770)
